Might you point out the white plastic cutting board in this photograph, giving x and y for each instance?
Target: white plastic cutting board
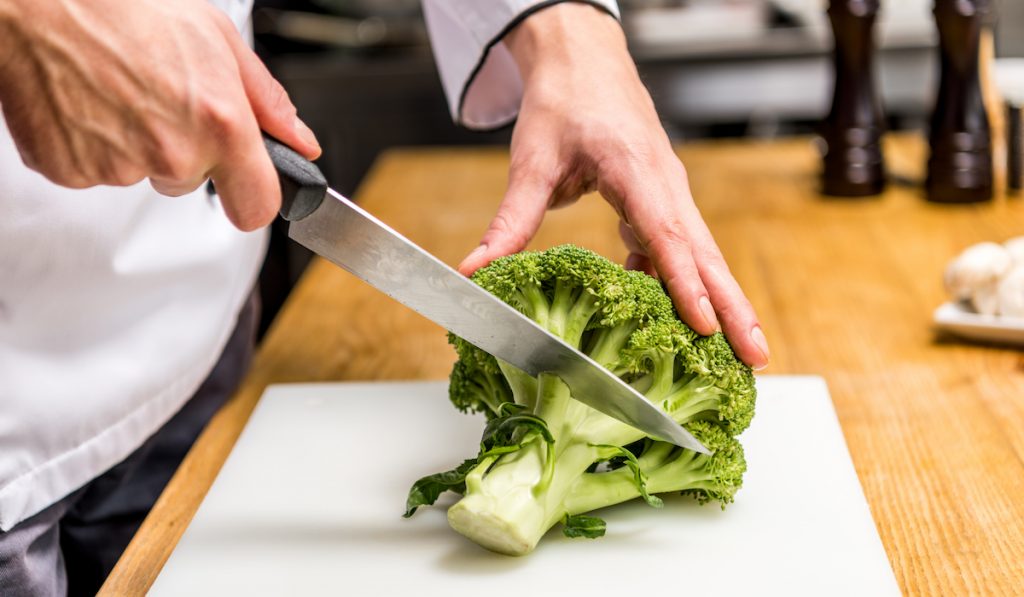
(310, 503)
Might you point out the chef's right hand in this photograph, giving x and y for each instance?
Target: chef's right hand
(108, 92)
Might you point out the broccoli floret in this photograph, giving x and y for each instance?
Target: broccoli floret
(545, 458)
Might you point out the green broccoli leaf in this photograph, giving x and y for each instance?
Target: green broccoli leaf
(588, 527)
(426, 491)
(620, 454)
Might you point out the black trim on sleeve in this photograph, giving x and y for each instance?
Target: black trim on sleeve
(501, 34)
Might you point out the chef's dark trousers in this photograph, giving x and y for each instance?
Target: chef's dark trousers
(71, 547)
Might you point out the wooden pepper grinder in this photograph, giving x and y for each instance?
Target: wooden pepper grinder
(853, 131)
(960, 166)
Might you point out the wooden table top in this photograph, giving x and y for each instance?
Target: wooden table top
(844, 289)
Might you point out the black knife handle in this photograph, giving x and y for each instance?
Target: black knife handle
(303, 186)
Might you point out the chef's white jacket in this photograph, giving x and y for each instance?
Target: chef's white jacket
(116, 302)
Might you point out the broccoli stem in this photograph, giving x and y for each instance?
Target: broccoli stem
(693, 397)
(511, 502)
(583, 310)
(570, 313)
(533, 301)
(490, 391)
(607, 343)
(552, 402)
(561, 305)
(524, 386)
(686, 470)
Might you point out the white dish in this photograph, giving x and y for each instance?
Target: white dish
(1010, 79)
(953, 318)
(310, 503)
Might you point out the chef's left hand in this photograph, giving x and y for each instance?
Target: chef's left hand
(587, 123)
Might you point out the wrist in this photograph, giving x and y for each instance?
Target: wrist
(561, 35)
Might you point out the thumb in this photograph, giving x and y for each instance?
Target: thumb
(274, 110)
(518, 218)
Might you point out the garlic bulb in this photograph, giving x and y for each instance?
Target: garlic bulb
(976, 272)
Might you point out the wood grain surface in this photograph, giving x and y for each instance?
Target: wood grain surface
(844, 289)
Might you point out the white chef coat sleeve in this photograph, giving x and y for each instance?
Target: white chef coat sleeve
(479, 76)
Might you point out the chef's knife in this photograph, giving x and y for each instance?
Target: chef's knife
(339, 230)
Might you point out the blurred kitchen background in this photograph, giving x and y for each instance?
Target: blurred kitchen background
(362, 76)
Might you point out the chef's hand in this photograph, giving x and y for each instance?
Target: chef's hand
(587, 122)
(108, 92)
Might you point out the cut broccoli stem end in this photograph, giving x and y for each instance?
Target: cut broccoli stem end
(504, 513)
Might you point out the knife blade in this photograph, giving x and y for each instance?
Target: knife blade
(337, 229)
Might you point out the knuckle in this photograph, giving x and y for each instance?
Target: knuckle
(73, 181)
(122, 178)
(66, 176)
(536, 163)
(680, 168)
(629, 149)
(118, 173)
(710, 257)
(533, 173)
(175, 165)
(221, 119)
(730, 310)
(637, 155)
(171, 156)
(671, 239)
(686, 288)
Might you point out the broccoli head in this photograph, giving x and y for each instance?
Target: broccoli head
(546, 458)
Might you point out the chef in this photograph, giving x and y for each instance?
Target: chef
(126, 310)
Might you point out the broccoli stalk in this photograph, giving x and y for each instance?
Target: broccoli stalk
(510, 502)
(545, 457)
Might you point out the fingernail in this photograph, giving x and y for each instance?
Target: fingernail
(306, 133)
(709, 313)
(757, 336)
(477, 252)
